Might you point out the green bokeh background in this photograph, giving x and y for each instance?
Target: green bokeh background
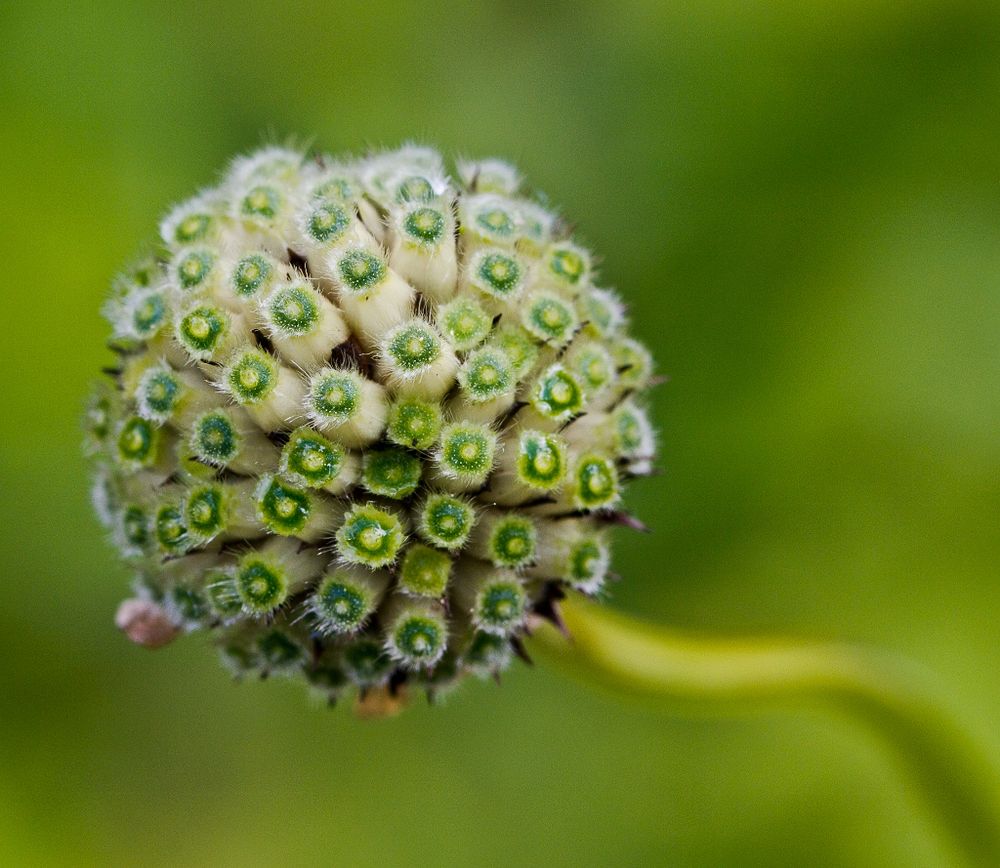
(799, 201)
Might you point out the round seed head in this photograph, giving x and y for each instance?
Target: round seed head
(323, 353)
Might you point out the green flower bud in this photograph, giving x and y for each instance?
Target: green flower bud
(495, 599)
(414, 422)
(327, 356)
(445, 521)
(369, 536)
(345, 599)
(465, 457)
(416, 632)
(424, 571)
(310, 459)
(464, 322)
(391, 473)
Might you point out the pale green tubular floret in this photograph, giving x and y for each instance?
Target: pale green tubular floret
(369, 416)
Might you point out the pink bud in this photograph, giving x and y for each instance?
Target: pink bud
(145, 623)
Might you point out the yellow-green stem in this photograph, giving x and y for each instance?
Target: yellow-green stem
(718, 674)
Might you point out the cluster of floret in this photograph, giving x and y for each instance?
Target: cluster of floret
(366, 418)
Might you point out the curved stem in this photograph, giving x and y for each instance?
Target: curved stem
(713, 674)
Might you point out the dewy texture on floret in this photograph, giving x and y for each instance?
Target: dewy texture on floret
(367, 417)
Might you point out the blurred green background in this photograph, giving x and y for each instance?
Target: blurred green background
(798, 199)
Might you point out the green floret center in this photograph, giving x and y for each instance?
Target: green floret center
(260, 585)
(371, 536)
(486, 649)
(149, 314)
(284, 509)
(277, 649)
(596, 481)
(541, 461)
(496, 221)
(367, 661)
(629, 432)
(584, 561)
(424, 571)
(559, 394)
(204, 510)
(189, 603)
(415, 189)
(392, 473)
(192, 228)
(465, 322)
(414, 423)
(252, 378)
(194, 268)
(567, 264)
(215, 438)
(418, 637)
(222, 593)
(137, 440)
(135, 526)
(593, 368)
(487, 375)
(314, 458)
(328, 222)
(361, 270)
(342, 605)
(414, 347)
(261, 202)
(448, 520)
(468, 452)
(500, 272)
(550, 319)
(339, 188)
(336, 396)
(294, 310)
(501, 604)
(161, 392)
(250, 274)
(171, 531)
(425, 225)
(513, 542)
(201, 329)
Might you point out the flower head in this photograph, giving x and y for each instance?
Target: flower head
(367, 419)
